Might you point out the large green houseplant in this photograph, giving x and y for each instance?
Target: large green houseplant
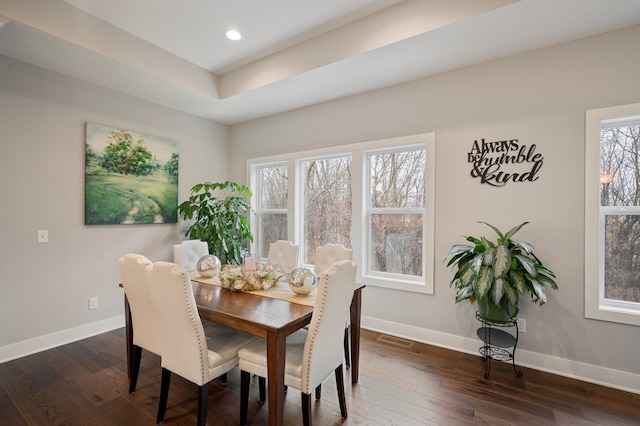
(496, 273)
(220, 211)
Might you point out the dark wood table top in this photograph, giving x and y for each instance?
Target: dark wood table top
(249, 312)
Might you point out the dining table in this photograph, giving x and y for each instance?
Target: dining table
(269, 316)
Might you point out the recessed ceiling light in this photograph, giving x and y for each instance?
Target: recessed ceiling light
(233, 35)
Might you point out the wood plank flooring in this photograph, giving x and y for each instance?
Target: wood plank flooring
(85, 383)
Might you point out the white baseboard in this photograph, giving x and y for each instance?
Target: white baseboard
(41, 343)
(616, 379)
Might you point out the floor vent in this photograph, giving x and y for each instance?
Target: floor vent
(395, 341)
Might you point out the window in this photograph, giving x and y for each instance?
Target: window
(327, 204)
(374, 197)
(612, 235)
(272, 189)
(396, 212)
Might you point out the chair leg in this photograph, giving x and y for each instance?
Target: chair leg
(245, 377)
(262, 385)
(306, 409)
(347, 358)
(318, 391)
(164, 395)
(135, 368)
(223, 379)
(203, 399)
(341, 396)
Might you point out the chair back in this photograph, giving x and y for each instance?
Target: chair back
(329, 254)
(324, 343)
(146, 332)
(187, 253)
(283, 255)
(184, 344)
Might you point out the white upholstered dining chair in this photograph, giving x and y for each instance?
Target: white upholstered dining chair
(328, 254)
(146, 333)
(188, 252)
(325, 256)
(313, 354)
(186, 351)
(283, 255)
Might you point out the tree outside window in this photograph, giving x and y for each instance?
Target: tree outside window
(397, 201)
(272, 197)
(327, 204)
(620, 208)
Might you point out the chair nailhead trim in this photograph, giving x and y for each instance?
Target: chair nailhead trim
(314, 329)
(186, 289)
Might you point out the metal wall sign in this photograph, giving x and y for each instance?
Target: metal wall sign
(500, 162)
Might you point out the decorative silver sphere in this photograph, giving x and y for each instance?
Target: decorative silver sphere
(208, 266)
(302, 281)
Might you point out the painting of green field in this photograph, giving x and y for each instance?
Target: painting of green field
(130, 178)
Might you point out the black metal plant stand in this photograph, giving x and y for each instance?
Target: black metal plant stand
(498, 344)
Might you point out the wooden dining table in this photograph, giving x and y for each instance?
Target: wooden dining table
(269, 318)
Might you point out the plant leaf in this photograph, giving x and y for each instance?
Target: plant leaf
(473, 240)
(484, 281)
(540, 293)
(464, 293)
(528, 265)
(545, 280)
(477, 262)
(497, 290)
(460, 258)
(486, 243)
(523, 245)
(488, 257)
(480, 247)
(466, 277)
(511, 293)
(518, 280)
(501, 261)
(497, 231)
(544, 269)
(513, 230)
(458, 249)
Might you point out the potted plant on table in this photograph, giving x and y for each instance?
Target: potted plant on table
(220, 211)
(496, 273)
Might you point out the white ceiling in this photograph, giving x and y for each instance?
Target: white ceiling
(294, 53)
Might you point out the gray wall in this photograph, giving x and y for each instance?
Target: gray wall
(538, 98)
(44, 288)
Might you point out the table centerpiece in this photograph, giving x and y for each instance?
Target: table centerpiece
(237, 278)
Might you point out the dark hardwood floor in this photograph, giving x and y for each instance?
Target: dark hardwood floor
(85, 383)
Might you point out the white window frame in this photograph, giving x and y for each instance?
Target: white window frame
(596, 305)
(257, 208)
(299, 203)
(388, 279)
(359, 232)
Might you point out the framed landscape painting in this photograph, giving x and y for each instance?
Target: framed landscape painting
(130, 177)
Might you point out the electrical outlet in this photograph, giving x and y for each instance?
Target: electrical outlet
(522, 325)
(43, 236)
(93, 303)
